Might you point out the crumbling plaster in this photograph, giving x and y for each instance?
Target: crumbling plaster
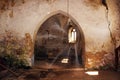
(101, 29)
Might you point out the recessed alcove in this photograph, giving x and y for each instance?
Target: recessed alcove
(59, 41)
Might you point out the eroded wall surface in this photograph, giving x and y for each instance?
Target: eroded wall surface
(98, 19)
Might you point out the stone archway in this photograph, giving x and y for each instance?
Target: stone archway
(48, 36)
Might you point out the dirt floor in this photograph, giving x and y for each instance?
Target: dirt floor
(65, 74)
(45, 71)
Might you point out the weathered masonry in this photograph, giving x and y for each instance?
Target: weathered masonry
(95, 28)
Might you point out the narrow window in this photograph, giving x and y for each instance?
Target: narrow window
(72, 35)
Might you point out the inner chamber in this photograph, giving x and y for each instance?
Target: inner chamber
(59, 43)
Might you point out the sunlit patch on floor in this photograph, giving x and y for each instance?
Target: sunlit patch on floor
(92, 72)
(65, 60)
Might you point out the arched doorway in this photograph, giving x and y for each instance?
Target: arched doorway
(53, 45)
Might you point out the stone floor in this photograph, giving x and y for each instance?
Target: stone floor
(65, 74)
(55, 72)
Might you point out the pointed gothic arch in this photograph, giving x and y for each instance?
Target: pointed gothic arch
(81, 45)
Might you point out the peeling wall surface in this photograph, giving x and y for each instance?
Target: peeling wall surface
(98, 19)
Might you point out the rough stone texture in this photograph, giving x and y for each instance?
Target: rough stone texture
(100, 59)
(101, 29)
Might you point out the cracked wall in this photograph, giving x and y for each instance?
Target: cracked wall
(98, 19)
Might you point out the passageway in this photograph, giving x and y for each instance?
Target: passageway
(59, 42)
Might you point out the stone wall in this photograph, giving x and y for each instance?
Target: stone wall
(98, 19)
